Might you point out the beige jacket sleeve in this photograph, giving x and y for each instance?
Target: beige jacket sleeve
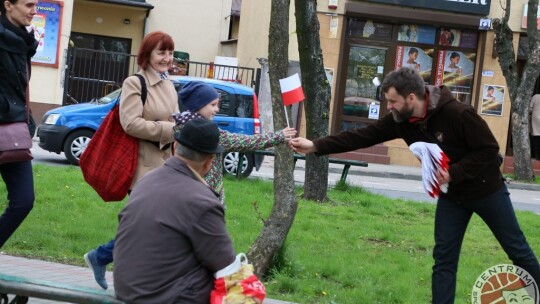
(151, 122)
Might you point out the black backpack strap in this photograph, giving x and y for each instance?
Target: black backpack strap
(143, 88)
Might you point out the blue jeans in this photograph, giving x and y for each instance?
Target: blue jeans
(451, 220)
(104, 253)
(20, 194)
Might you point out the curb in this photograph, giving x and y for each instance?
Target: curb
(396, 175)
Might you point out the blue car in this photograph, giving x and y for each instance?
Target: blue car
(69, 129)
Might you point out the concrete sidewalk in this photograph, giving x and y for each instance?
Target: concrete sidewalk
(59, 274)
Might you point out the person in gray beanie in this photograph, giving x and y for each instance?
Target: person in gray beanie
(202, 101)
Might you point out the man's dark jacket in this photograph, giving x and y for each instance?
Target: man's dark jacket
(458, 130)
(17, 46)
(171, 239)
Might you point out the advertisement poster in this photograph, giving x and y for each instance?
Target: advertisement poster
(455, 70)
(416, 33)
(415, 58)
(47, 24)
(453, 37)
(492, 100)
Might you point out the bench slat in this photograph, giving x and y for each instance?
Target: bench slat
(346, 162)
(54, 291)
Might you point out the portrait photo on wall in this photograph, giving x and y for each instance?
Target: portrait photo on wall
(449, 37)
(492, 100)
(417, 33)
(415, 58)
(455, 70)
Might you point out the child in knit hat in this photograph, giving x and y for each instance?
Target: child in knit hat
(202, 101)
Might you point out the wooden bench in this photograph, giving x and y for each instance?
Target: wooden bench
(24, 288)
(345, 162)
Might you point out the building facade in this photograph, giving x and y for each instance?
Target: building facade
(450, 42)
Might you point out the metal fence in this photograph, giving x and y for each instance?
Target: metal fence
(90, 74)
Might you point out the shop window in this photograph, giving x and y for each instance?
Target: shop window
(364, 74)
(369, 29)
(417, 33)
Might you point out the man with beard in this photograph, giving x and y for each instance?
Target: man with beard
(427, 113)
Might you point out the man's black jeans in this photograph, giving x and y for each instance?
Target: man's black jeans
(451, 220)
(20, 194)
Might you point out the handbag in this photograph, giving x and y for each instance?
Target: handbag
(15, 143)
(109, 162)
(236, 284)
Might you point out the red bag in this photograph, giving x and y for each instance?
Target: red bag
(239, 287)
(109, 161)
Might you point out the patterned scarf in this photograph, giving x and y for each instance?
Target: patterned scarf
(164, 76)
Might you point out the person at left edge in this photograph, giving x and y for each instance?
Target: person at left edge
(150, 123)
(17, 46)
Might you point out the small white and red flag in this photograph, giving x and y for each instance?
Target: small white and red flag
(291, 90)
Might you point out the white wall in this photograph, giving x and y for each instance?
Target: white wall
(197, 27)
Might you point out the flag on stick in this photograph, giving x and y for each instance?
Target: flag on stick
(291, 90)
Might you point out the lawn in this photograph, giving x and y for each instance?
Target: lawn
(360, 248)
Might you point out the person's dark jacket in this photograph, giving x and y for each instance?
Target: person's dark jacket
(458, 130)
(17, 47)
(171, 239)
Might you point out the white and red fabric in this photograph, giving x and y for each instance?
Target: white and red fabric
(291, 90)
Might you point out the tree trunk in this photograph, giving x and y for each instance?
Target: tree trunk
(281, 218)
(520, 87)
(317, 92)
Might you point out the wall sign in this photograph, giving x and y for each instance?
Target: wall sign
(47, 25)
(475, 7)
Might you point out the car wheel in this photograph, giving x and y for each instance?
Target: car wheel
(230, 163)
(75, 145)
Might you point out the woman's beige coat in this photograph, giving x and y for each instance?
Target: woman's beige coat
(535, 115)
(152, 125)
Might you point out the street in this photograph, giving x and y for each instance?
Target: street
(404, 188)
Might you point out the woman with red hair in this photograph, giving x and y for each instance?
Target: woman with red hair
(149, 122)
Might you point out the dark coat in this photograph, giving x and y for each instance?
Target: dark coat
(458, 130)
(171, 239)
(15, 56)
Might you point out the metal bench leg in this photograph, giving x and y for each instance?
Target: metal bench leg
(19, 300)
(16, 300)
(240, 165)
(345, 173)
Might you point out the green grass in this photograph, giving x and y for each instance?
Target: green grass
(359, 248)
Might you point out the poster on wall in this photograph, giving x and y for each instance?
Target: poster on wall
(459, 38)
(456, 70)
(415, 58)
(416, 33)
(492, 100)
(47, 24)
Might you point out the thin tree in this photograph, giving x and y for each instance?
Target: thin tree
(281, 218)
(520, 87)
(317, 91)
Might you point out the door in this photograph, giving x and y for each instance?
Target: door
(365, 72)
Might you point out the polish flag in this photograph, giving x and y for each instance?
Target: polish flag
(291, 90)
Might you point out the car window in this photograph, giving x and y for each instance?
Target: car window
(224, 102)
(110, 97)
(244, 106)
